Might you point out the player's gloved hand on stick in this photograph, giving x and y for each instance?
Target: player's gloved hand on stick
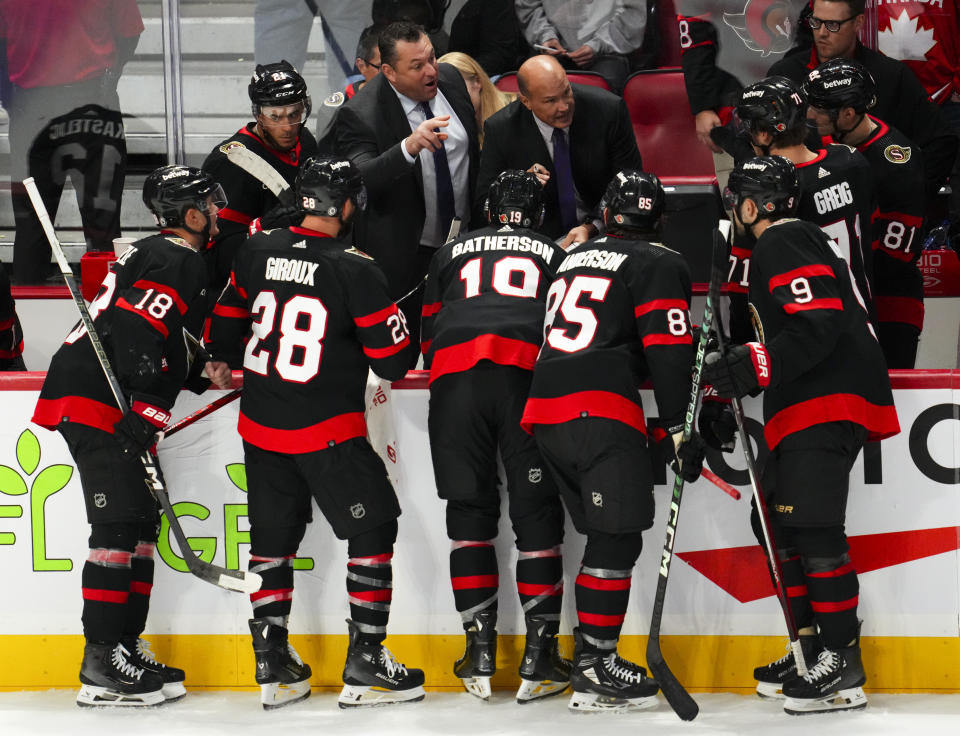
(739, 370)
(716, 422)
(684, 458)
(136, 431)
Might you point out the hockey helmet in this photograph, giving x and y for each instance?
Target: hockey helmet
(773, 105)
(277, 85)
(323, 185)
(840, 83)
(168, 192)
(634, 200)
(770, 181)
(515, 198)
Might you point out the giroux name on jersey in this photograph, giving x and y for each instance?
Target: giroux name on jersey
(833, 198)
(522, 243)
(290, 269)
(604, 259)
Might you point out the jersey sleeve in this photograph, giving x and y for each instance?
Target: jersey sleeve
(901, 203)
(381, 326)
(698, 57)
(432, 304)
(230, 321)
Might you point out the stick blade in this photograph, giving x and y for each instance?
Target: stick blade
(239, 581)
(679, 699)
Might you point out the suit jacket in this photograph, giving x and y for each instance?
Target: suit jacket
(601, 144)
(369, 130)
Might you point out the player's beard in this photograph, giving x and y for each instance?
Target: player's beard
(346, 224)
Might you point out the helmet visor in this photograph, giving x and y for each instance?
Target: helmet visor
(285, 115)
(216, 197)
(730, 199)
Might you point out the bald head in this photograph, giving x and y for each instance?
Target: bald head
(545, 90)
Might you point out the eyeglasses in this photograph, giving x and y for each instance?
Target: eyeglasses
(370, 63)
(832, 25)
(292, 115)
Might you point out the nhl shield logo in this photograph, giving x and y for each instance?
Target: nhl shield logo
(598, 499)
(99, 500)
(357, 511)
(534, 475)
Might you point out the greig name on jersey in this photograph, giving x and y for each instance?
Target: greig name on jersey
(833, 197)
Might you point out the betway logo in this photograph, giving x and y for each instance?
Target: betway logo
(742, 571)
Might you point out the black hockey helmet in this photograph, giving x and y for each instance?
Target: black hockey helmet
(773, 105)
(277, 85)
(168, 192)
(770, 181)
(634, 200)
(515, 198)
(323, 185)
(840, 83)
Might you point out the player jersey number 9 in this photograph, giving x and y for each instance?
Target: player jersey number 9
(301, 340)
(565, 300)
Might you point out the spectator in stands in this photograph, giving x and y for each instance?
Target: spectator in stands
(11, 334)
(413, 133)
(575, 138)
(488, 31)
(486, 98)
(901, 100)
(64, 61)
(593, 34)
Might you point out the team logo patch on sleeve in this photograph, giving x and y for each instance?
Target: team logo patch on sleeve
(896, 154)
(335, 100)
(230, 145)
(357, 252)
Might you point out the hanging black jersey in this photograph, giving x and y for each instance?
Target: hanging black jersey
(306, 315)
(247, 197)
(148, 313)
(11, 334)
(826, 363)
(485, 298)
(617, 315)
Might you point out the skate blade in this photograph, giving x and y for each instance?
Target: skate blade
(593, 702)
(479, 687)
(278, 694)
(361, 696)
(851, 699)
(531, 690)
(94, 696)
(770, 690)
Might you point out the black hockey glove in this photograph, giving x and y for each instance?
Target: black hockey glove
(279, 217)
(716, 422)
(137, 430)
(739, 370)
(684, 458)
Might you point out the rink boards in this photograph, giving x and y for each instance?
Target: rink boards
(720, 620)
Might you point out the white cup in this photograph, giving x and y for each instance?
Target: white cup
(120, 245)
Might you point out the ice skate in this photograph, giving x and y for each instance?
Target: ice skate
(142, 656)
(833, 683)
(108, 676)
(602, 681)
(373, 676)
(770, 678)
(543, 672)
(479, 660)
(283, 677)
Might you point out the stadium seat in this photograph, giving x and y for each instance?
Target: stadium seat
(508, 82)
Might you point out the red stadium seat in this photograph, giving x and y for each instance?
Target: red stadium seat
(508, 82)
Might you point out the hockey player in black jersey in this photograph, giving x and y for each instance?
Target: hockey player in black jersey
(839, 93)
(320, 315)
(616, 315)
(11, 334)
(148, 310)
(278, 135)
(825, 393)
(482, 328)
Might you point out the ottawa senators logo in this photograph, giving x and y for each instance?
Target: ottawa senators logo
(765, 26)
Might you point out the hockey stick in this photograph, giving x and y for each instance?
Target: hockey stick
(678, 698)
(260, 170)
(720, 483)
(452, 234)
(239, 580)
(719, 257)
(200, 414)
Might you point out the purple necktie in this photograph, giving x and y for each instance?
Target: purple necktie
(565, 190)
(446, 204)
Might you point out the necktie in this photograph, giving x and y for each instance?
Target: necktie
(565, 191)
(446, 205)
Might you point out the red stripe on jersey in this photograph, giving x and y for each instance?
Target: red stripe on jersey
(797, 591)
(842, 570)
(664, 339)
(234, 216)
(880, 421)
(386, 352)
(163, 289)
(319, 436)
(806, 272)
(236, 287)
(105, 596)
(594, 583)
(278, 594)
(583, 404)
(539, 588)
(500, 350)
(469, 582)
(899, 309)
(907, 219)
(834, 606)
(291, 157)
(140, 588)
(312, 233)
(49, 412)
(600, 619)
(222, 310)
(661, 304)
(16, 352)
(377, 317)
(154, 323)
(431, 309)
(794, 307)
(371, 596)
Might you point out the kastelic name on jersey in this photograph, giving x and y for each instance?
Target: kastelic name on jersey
(290, 269)
(833, 198)
(522, 243)
(604, 259)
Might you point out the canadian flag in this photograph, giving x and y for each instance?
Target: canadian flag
(925, 35)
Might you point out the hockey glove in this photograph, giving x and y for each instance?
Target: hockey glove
(739, 370)
(684, 458)
(137, 430)
(716, 422)
(278, 217)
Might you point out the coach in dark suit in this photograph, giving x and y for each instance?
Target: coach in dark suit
(412, 131)
(573, 137)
